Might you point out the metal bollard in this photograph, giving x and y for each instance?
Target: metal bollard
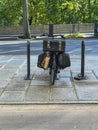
(28, 76)
(82, 59)
(82, 76)
(50, 30)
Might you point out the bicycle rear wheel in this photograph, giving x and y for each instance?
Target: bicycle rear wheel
(53, 72)
(52, 79)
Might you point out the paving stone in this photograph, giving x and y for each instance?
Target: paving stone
(87, 91)
(20, 80)
(89, 74)
(96, 72)
(16, 87)
(1, 90)
(13, 87)
(62, 83)
(2, 63)
(39, 82)
(14, 63)
(94, 66)
(41, 71)
(6, 74)
(5, 58)
(37, 93)
(9, 96)
(20, 57)
(3, 83)
(76, 65)
(65, 73)
(92, 58)
(42, 75)
(34, 59)
(63, 94)
(22, 72)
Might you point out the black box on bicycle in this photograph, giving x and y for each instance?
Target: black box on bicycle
(54, 45)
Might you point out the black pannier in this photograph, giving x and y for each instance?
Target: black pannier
(64, 60)
(43, 61)
(54, 45)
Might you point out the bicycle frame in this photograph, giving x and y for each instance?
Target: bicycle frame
(53, 47)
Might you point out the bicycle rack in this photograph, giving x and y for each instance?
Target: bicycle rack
(82, 76)
(28, 76)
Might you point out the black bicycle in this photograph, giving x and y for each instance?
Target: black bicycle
(54, 47)
(53, 57)
(54, 67)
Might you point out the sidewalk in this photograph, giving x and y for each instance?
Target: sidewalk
(15, 90)
(39, 36)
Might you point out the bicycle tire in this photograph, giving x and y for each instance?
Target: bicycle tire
(52, 77)
(53, 73)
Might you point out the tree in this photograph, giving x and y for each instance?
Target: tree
(14, 12)
(10, 12)
(25, 19)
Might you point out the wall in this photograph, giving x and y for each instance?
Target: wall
(40, 29)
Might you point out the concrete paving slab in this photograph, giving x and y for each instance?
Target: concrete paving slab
(37, 93)
(41, 75)
(15, 90)
(19, 80)
(62, 83)
(89, 75)
(3, 83)
(20, 73)
(14, 63)
(12, 96)
(76, 65)
(6, 74)
(96, 72)
(40, 83)
(1, 91)
(2, 63)
(87, 91)
(63, 94)
(65, 73)
(16, 87)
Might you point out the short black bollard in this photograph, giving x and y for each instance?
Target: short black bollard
(28, 76)
(82, 58)
(50, 30)
(82, 76)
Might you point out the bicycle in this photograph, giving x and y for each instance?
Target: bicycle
(53, 47)
(53, 57)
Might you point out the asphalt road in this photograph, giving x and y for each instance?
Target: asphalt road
(72, 47)
(49, 117)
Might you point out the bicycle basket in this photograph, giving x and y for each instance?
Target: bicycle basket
(54, 45)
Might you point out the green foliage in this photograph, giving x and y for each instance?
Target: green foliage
(10, 12)
(76, 35)
(49, 11)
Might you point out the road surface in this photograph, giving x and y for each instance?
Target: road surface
(72, 47)
(49, 117)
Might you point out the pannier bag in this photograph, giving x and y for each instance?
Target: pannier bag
(54, 45)
(64, 60)
(43, 61)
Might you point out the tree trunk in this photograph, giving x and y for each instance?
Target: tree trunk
(26, 26)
